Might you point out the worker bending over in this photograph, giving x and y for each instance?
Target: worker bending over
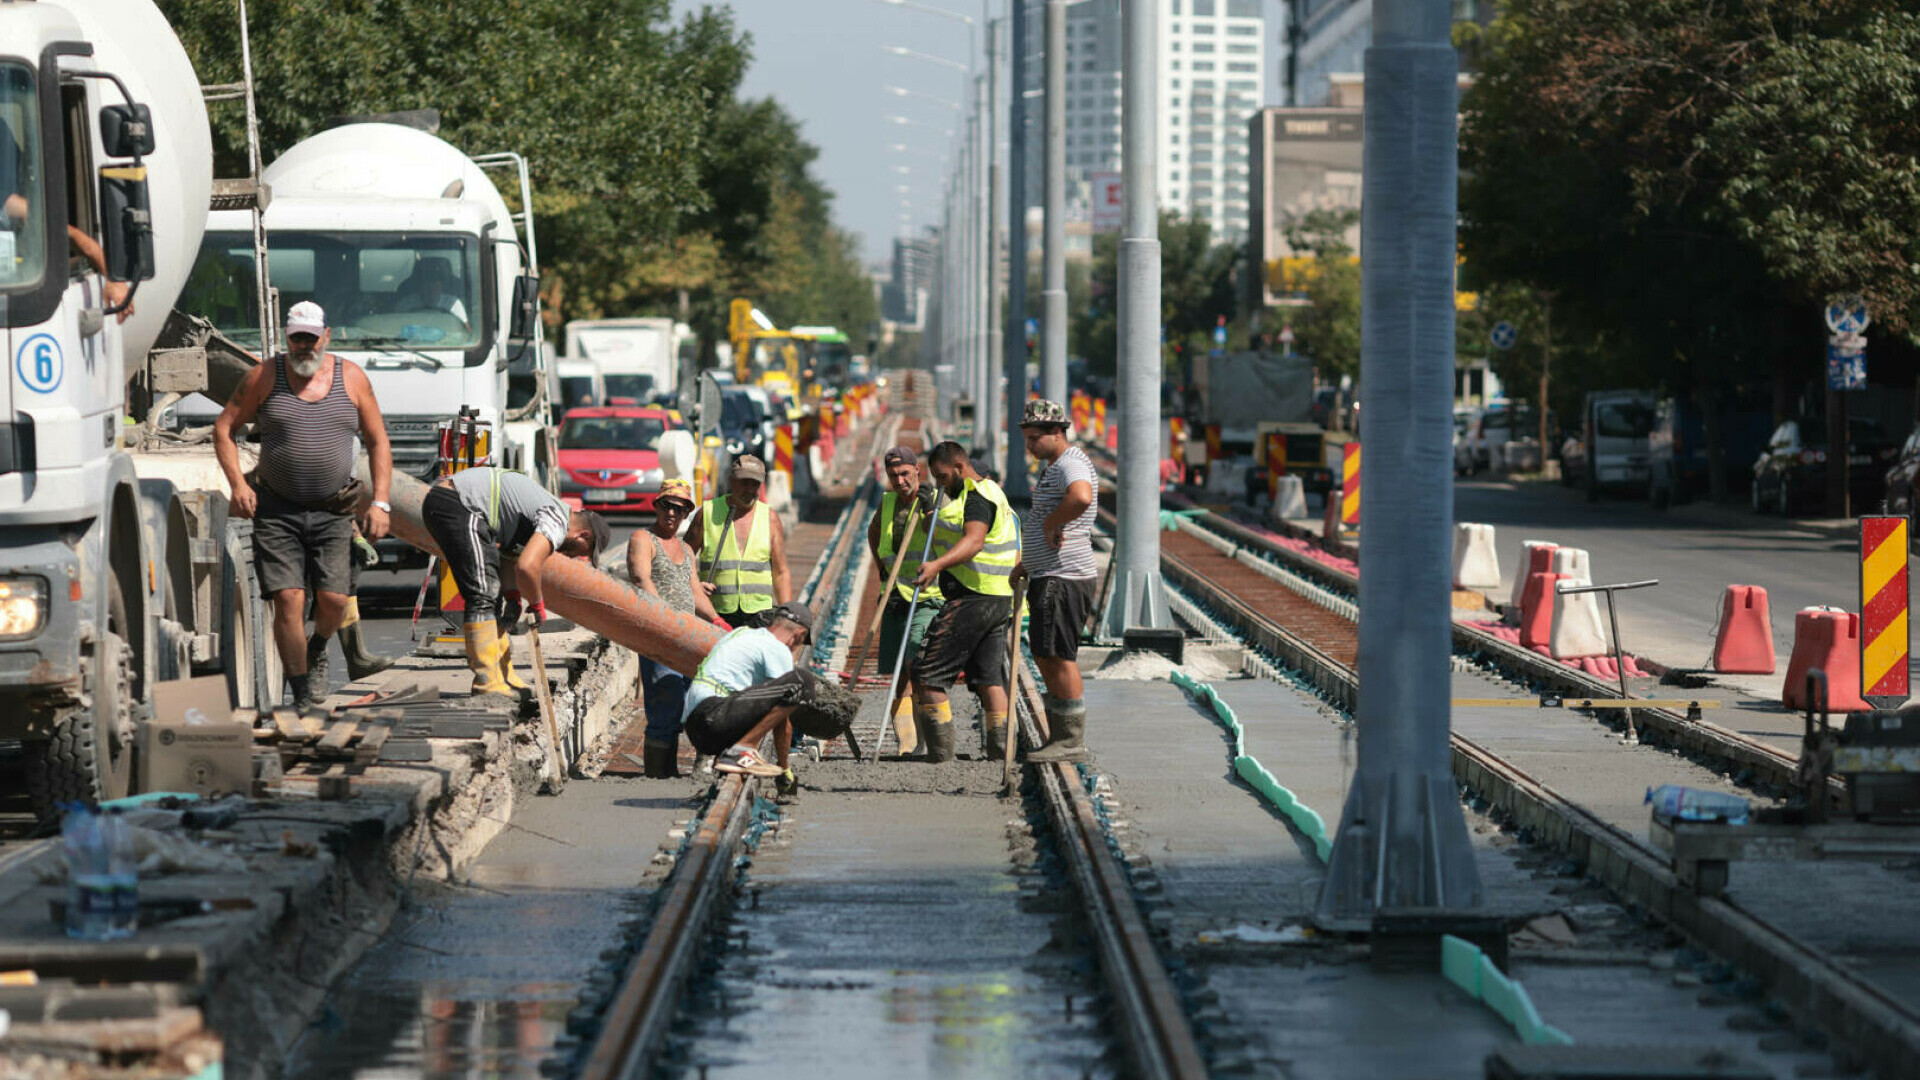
(742, 548)
(477, 515)
(747, 687)
(976, 544)
(908, 498)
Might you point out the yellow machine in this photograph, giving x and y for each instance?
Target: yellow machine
(762, 355)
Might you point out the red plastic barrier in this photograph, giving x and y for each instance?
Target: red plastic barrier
(1744, 645)
(1536, 610)
(1828, 639)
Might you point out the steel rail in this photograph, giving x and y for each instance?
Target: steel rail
(1149, 1015)
(643, 1010)
(1877, 1029)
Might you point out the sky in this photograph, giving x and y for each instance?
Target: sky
(824, 61)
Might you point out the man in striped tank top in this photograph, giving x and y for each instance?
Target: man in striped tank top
(307, 406)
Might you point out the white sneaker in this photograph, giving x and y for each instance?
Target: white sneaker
(741, 759)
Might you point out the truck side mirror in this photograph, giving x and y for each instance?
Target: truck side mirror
(126, 131)
(526, 306)
(127, 221)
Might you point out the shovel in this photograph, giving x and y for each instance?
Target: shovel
(886, 594)
(557, 771)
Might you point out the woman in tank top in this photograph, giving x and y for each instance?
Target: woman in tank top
(661, 564)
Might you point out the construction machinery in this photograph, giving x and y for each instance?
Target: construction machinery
(763, 355)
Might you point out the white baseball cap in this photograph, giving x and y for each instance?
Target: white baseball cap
(306, 317)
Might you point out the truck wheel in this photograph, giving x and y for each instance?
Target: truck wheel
(90, 757)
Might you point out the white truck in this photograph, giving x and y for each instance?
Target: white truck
(428, 279)
(638, 358)
(119, 565)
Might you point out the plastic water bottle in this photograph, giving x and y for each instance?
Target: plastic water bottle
(1675, 803)
(123, 868)
(89, 880)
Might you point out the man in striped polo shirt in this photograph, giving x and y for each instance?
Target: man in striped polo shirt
(1057, 548)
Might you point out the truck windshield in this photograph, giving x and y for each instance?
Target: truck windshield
(409, 290)
(831, 359)
(23, 233)
(1622, 419)
(612, 433)
(629, 388)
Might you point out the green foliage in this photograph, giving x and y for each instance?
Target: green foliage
(1328, 327)
(656, 191)
(1691, 180)
(1196, 288)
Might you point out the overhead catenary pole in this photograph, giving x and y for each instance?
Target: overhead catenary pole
(1053, 243)
(1403, 841)
(1014, 351)
(985, 349)
(996, 196)
(1136, 600)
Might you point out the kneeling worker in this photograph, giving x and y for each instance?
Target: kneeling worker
(476, 515)
(976, 545)
(748, 686)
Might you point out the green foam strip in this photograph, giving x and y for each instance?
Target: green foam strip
(1249, 769)
(1170, 519)
(1466, 967)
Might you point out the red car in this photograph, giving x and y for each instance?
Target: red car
(610, 457)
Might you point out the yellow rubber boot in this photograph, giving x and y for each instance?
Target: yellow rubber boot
(484, 652)
(512, 678)
(905, 728)
(936, 730)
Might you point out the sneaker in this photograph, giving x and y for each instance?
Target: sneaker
(741, 759)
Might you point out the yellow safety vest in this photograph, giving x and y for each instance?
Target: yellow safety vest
(916, 543)
(743, 581)
(991, 571)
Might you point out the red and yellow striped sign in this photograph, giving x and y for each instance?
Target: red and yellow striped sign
(1080, 409)
(1350, 484)
(1213, 443)
(783, 449)
(1883, 611)
(1099, 418)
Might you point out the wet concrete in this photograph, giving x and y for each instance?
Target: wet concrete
(884, 933)
(476, 979)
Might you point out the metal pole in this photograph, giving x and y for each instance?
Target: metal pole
(1014, 351)
(990, 354)
(1137, 599)
(964, 367)
(1053, 296)
(1403, 841)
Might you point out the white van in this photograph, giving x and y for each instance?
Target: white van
(580, 383)
(1612, 451)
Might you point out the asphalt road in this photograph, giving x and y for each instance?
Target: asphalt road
(1695, 551)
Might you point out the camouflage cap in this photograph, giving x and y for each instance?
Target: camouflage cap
(1040, 411)
(675, 490)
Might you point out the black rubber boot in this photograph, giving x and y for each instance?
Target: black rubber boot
(302, 687)
(360, 662)
(1066, 728)
(660, 759)
(993, 738)
(317, 666)
(938, 738)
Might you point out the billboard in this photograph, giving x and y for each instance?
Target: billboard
(1108, 200)
(1304, 160)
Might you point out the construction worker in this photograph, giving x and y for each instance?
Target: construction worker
(477, 515)
(908, 497)
(742, 549)
(976, 544)
(1057, 551)
(747, 687)
(659, 562)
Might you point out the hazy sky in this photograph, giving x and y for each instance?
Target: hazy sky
(823, 60)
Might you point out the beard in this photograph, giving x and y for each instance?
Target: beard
(306, 366)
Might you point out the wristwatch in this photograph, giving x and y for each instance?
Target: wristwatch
(383, 505)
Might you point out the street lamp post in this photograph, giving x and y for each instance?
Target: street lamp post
(1014, 333)
(1053, 297)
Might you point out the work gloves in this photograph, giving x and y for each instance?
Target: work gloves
(786, 787)
(516, 617)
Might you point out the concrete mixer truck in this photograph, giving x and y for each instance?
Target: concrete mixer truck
(428, 280)
(119, 566)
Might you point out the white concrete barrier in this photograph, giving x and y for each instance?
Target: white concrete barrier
(779, 491)
(1475, 564)
(1577, 628)
(1290, 500)
(678, 455)
(1572, 562)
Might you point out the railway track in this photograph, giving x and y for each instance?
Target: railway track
(1290, 607)
(1145, 1017)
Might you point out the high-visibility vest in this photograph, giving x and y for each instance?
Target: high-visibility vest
(989, 572)
(916, 543)
(741, 570)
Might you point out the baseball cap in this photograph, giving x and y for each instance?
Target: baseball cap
(306, 317)
(748, 467)
(1041, 411)
(676, 489)
(902, 455)
(797, 612)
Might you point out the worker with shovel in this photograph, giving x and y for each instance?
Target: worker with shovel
(976, 545)
(898, 536)
(477, 515)
(742, 548)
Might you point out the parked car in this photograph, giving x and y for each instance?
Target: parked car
(1791, 473)
(610, 457)
(1501, 422)
(1677, 464)
(1609, 451)
(1903, 482)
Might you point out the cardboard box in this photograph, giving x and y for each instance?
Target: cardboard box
(193, 743)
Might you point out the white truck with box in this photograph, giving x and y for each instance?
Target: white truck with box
(638, 358)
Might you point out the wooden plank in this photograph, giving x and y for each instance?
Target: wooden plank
(339, 735)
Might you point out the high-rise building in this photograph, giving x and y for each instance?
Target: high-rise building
(1329, 39)
(1209, 71)
(903, 297)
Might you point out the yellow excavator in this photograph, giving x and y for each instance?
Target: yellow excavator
(763, 356)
